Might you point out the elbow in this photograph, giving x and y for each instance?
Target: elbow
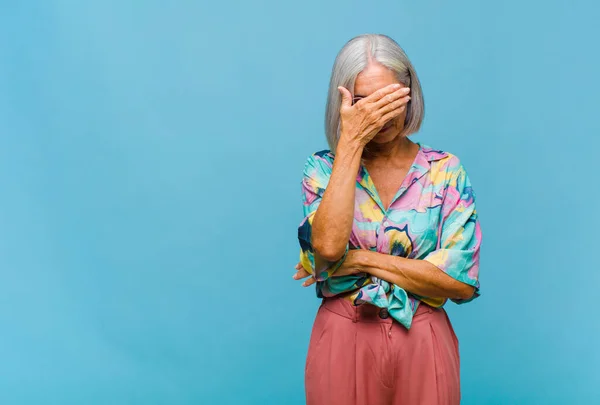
(329, 252)
(465, 292)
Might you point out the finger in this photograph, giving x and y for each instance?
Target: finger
(300, 274)
(298, 266)
(394, 105)
(385, 91)
(391, 97)
(309, 282)
(346, 96)
(392, 114)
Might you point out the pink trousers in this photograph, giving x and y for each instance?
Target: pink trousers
(360, 356)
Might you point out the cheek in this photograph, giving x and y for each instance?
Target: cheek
(399, 121)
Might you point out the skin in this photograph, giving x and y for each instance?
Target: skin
(372, 134)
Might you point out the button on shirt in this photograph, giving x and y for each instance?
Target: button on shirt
(432, 217)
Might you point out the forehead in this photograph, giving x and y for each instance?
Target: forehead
(373, 78)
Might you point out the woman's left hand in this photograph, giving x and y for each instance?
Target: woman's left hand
(347, 268)
(302, 274)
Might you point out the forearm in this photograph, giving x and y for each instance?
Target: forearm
(416, 276)
(333, 219)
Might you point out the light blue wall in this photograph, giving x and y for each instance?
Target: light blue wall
(150, 159)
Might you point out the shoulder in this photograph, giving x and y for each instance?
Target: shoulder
(446, 169)
(320, 162)
(443, 161)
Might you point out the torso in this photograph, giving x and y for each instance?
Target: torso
(388, 181)
(408, 226)
(388, 177)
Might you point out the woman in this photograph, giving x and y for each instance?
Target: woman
(390, 234)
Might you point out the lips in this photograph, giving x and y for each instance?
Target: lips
(386, 127)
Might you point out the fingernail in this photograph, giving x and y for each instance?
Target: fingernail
(406, 89)
(396, 86)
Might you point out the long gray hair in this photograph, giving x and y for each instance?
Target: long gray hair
(352, 59)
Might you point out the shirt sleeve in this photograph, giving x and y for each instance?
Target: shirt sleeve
(317, 172)
(459, 239)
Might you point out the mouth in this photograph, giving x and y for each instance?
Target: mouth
(386, 127)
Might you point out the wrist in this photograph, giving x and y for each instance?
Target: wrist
(360, 260)
(349, 146)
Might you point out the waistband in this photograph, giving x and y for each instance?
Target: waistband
(367, 312)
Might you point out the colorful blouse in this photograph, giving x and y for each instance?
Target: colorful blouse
(432, 217)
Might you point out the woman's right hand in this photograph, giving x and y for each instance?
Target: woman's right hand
(363, 120)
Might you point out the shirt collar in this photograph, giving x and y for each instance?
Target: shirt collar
(430, 154)
(419, 168)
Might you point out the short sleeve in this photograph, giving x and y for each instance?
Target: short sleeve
(459, 239)
(317, 171)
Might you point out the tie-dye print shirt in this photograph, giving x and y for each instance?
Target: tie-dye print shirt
(432, 217)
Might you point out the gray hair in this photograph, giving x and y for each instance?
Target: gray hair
(352, 59)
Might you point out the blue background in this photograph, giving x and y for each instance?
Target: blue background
(150, 159)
